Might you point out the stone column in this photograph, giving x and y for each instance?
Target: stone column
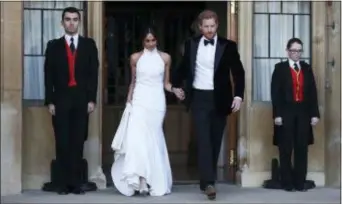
(93, 146)
(333, 97)
(245, 20)
(11, 97)
(318, 46)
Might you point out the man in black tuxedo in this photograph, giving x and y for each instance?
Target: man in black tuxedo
(71, 78)
(295, 111)
(206, 66)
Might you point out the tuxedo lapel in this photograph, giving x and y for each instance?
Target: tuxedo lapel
(193, 54)
(220, 45)
(63, 52)
(79, 51)
(287, 75)
(306, 76)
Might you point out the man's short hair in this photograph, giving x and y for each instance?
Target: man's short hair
(293, 40)
(207, 14)
(71, 10)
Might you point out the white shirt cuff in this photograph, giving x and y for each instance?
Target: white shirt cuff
(238, 97)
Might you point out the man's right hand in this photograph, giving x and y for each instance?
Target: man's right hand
(278, 121)
(52, 109)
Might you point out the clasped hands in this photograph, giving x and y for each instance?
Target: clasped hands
(179, 93)
(181, 96)
(279, 121)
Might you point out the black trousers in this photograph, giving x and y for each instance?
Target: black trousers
(209, 127)
(70, 125)
(294, 137)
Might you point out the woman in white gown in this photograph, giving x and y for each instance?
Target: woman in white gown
(141, 160)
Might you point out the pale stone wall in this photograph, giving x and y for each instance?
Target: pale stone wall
(316, 151)
(11, 94)
(38, 147)
(333, 97)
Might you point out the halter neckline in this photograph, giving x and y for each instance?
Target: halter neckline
(150, 51)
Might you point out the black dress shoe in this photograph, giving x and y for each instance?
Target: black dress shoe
(78, 191)
(289, 189)
(210, 192)
(301, 189)
(62, 191)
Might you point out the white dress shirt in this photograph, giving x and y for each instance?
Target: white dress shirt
(291, 62)
(204, 69)
(68, 37)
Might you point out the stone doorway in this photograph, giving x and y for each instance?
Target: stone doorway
(173, 20)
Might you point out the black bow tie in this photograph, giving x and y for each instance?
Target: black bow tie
(211, 41)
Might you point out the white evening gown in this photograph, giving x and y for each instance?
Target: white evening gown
(142, 157)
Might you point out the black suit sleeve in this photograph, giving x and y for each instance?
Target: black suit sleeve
(93, 70)
(48, 74)
(314, 111)
(181, 71)
(276, 92)
(237, 70)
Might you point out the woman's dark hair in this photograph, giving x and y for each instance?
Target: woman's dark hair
(293, 40)
(148, 30)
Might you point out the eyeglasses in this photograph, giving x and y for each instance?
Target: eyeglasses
(292, 51)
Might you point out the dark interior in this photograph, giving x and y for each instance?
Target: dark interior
(174, 22)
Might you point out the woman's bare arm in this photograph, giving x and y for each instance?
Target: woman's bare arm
(133, 62)
(167, 84)
(167, 59)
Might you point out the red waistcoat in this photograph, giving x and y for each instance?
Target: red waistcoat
(297, 85)
(71, 65)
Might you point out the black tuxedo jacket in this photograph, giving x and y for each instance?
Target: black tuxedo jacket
(56, 69)
(282, 94)
(227, 60)
(282, 89)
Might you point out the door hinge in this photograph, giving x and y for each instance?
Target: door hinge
(332, 62)
(232, 157)
(332, 25)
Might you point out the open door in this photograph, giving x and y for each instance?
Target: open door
(232, 123)
(175, 22)
(123, 23)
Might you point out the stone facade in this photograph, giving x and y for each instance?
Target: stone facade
(11, 98)
(27, 143)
